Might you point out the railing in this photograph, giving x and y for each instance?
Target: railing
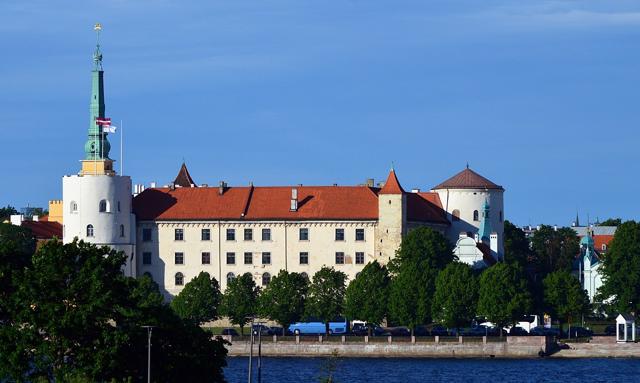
(352, 339)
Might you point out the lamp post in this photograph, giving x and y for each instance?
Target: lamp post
(251, 350)
(149, 331)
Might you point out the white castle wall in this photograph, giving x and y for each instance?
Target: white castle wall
(86, 192)
(392, 225)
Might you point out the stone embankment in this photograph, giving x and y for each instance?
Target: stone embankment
(435, 347)
(598, 347)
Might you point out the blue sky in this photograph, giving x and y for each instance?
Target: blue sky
(538, 96)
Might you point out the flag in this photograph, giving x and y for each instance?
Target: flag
(109, 129)
(103, 121)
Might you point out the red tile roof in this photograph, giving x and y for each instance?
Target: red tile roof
(599, 240)
(44, 229)
(425, 207)
(468, 179)
(392, 186)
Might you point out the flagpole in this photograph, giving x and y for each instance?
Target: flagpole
(121, 156)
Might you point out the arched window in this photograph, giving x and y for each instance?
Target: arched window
(266, 278)
(104, 206)
(501, 218)
(89, 230)
(121, 230)
(305, 275)
(230, 277)
(179, 279)
(475, 215)
(73, 207)
(455, 215)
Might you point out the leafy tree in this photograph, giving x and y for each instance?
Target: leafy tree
(17, 245)
(554, 249)
(366, 296)
(504, 297)
(199, 299)
(516, 245)
(325, 299)
(564, 296)
(621, 269)
(611, 222)
(422, 254)
(284, 298)
(456, 296)
(240, 300)
(7, 212)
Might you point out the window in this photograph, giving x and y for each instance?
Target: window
(206, 258)
(248, 258)
(146, 235)
(205, 234)
(121, 231)
(231, 258)
(339, 234)
(304, 234)
(230, 277)
(103, 207)
(359, 258)
(455, 215)
(266, 278)
(304, 258)
(231, 234)
(266, 234)
(248, 234)
(179, 235)
(339, 258)
(359, 234)
(475, 215)
(501, 218)
(179, 279)
(74, 207)
(89, 230)
(179, 258)
(604, 247)
(118, 205)
(266, 258)
(146, 258)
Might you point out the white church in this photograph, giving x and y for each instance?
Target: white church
(174, 232)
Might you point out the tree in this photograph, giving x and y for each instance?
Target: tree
(611, 222)
(240, 300)
(17, 246)
(366, 296)
(325, 299)
(199, 299)
(503, 295)
(621, 270)
(554, 249)
(456, 296)
(7, 212)
(516, 246)
(564, 296)
(284, 298)
(422, 254)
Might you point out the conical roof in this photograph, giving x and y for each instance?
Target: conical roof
(468, 179)
(183, 178)
(392, 186)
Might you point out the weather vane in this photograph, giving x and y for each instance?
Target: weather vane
(97, 56)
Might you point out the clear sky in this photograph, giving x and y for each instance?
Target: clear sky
(538, 96)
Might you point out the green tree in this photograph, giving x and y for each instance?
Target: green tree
(325, 299)
(17, 246)
(621, 270)
(456, 296)
(199, 299)
(503, 296)
(422, 254)
(366, 296)
(564, 296)
(554, 249)
(611, 222)
(284, 298)
(516, 245)
(7, 212)
(240, 300)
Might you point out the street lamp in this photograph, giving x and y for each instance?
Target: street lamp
(149, 331)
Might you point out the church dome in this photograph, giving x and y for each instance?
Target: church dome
(587, 241)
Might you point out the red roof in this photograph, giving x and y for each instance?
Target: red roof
(392, 186)
(425, 207)
(468, 179)
(599, 240)
(44, 229)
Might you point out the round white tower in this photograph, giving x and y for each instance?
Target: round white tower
(97, 202)
(463, 196)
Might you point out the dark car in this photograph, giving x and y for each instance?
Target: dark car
(439, 331)
(579, 332)
(229, 331)
(552, 331)
(277, 330)
(518, 331)
(264, 330)
(421, 331)
(360, 329)
(474, 331)
(398, 331)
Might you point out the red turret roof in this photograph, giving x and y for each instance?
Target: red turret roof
(392, 186)
(468, 179)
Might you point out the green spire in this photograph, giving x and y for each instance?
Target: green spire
(97, 146)
(484, 232)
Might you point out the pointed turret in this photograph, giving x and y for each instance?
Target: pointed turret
(484, 232)
(392, 185)
(183, 179)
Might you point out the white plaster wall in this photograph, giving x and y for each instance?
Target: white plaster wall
(284, 247)
(392, 213)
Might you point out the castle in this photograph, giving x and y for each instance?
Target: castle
(174, 232)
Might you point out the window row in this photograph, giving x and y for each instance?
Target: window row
(205, 234)
(303, 257)
(104, 206)
(455, 215)
(266, 278)
(91, 231)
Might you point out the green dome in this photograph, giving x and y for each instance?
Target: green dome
(586, 241)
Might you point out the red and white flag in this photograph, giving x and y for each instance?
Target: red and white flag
(103, 121)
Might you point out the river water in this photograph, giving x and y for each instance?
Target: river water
(368, 370)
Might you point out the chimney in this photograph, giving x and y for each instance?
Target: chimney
(370, 182)
(152, 185)
(35, 218)
(16, 219)
(221, 187)
(493, 245)
(294, 199)
(415, 190)
(463, 234)
(477, 237)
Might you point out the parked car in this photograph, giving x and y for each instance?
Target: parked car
(277, 330)
(545, 331)
(229, 331)
(398, 331)
(474, 331)
(439, 331)
(579, 332)
(360, 329)
(421, 331)
(316, 327)
(518, 331)
(262, 329)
